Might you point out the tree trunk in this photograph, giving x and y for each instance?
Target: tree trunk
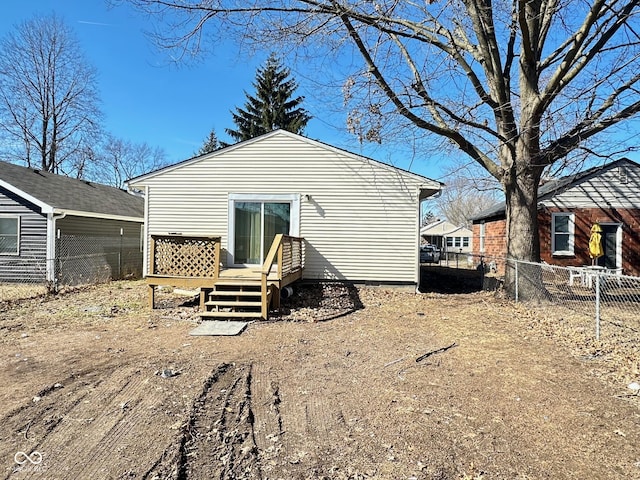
(523, 239)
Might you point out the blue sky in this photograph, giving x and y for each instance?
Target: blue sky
(146, 98)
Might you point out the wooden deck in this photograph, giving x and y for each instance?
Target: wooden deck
(193, 262)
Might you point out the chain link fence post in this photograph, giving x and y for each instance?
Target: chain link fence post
(598, 307)
(516, 280)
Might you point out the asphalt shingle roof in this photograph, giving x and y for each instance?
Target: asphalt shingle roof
(549, 189)
(65, 193)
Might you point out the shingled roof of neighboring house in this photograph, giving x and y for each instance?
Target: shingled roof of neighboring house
(65, 194)
(550, 189)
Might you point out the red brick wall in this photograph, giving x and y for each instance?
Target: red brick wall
(584, 219)
(496, 241)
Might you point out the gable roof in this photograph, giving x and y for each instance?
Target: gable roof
(59, 194)
(427, 181)
(554, 187)
(443, 228)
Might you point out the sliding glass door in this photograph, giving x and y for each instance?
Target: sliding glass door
(255, 226)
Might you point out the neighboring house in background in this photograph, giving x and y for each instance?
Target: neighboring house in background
(49, 221)
(447, 236)
(567, 209)
(359, 218)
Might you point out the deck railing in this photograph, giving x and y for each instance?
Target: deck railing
(194, 261)
(286, 253)
(184, 256)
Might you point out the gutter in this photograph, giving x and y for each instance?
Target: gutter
(105, 216)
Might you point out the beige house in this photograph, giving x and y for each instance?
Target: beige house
(346, 217)
(447, 236)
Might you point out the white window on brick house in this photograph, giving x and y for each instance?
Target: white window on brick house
(9, 235)
(562, 233)
(482, 236)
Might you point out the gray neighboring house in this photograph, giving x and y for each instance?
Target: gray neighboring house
(51, 222)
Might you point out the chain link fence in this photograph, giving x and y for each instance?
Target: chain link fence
(23, 277)
(605, 300)
(84, 260)
(597, 301)
(79, 260)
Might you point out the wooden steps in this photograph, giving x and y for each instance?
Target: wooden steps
(235, 299)
(229, 315)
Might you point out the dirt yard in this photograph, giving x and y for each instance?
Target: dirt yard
(370, 383)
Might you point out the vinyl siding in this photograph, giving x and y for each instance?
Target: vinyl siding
(30, 264)
(360, 224)
(606, 189)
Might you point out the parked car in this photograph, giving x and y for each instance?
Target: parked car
(429, 254)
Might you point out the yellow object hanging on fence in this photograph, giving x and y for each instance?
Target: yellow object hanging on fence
(595, 241)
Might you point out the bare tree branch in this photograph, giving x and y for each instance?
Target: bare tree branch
(48, 97)
(514, 85)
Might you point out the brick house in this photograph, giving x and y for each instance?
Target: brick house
(567, 208)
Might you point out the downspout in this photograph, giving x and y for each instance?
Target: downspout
(145, 233)
(51, 246)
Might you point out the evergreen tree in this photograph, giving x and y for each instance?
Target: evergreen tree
(273, 106)
(211, 144)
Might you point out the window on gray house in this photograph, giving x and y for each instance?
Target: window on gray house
(9, 235)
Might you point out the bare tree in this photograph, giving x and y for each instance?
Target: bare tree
(427, 217)
(48, 98)
(460, 200)
(515, 85)
(118, 160)
(468, 191)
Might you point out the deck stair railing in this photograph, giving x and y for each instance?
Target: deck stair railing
(286, 254)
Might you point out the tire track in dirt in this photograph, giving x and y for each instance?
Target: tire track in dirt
(312, 426)
(268, 425)
(265, 395)
(217, 440)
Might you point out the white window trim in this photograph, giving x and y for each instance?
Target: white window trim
(17, 252)
(571, 233)
(292, 198)
(483, 233)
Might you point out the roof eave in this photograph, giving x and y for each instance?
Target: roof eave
(44, 207)
(105, 216)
